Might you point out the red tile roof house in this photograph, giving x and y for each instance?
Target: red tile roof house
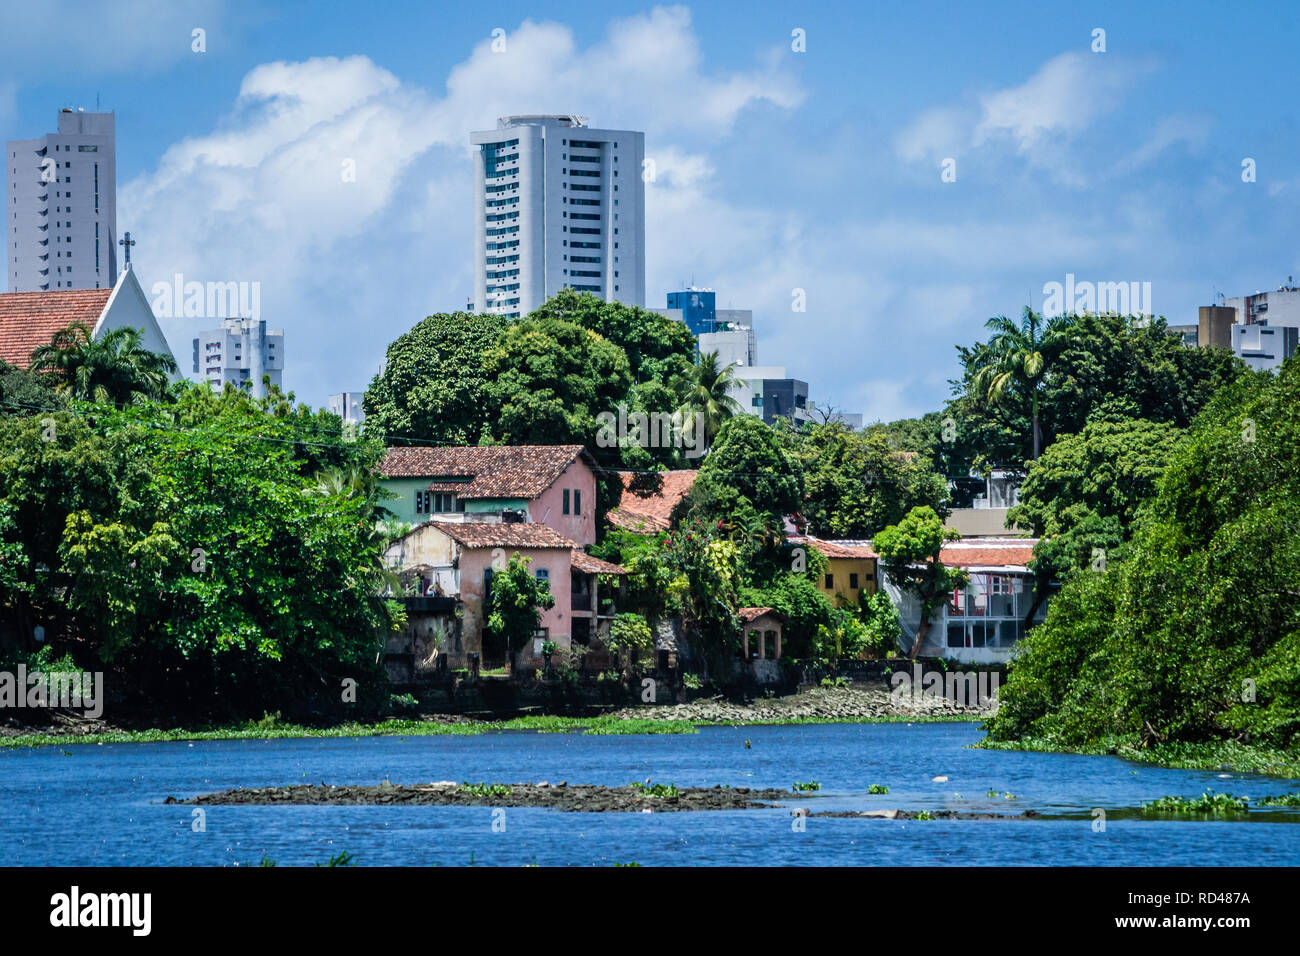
(30, 319)
(981, 623)
(554, 485)
(455, 561)
(473, 505)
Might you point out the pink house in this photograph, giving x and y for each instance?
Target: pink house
(452, 563)
(553, 485)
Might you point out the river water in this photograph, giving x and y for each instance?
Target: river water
(88, 805)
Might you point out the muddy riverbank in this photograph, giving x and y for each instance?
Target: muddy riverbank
(559, 796)
(852, 703)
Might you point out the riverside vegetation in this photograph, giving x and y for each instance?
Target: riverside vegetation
(216, 552)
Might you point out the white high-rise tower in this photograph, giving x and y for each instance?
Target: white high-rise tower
(557, 205)
(61, 222)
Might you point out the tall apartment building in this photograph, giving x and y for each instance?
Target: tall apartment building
(242, 350)
(557, 204)
(61, 227)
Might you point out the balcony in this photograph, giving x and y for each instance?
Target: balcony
(429, 605)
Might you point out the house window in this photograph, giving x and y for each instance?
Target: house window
(443, 503)
(423, 502)
(577, 502)
(566, 501)
(830, 581)
(543, 574)
(853, 582)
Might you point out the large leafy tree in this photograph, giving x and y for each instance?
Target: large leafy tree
(550, 379)
(434, 386)
(1194, 635)
(23, 392)
(1081, 497)
(194, 551)
(746, 487)
(705, 591)
(1108, 358)
(657, 348)
(857, 483)
(910, 553)
(1093, 361)
(115, 368)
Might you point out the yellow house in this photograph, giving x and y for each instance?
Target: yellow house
(850, 573)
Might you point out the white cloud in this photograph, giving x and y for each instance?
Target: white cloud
(938, 132)
(1038, 120)
(1064, 98)
(1189, 131)
(346, 266)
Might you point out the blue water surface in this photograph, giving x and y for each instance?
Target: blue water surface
(88, 805)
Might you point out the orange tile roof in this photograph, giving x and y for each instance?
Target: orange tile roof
(490, 471)
(30, 319)
(584, 562)
(834, 549)
(645, 514)
(478, 534)
(750, 614)
(988, 552)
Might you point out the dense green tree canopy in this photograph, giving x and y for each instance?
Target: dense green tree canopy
(549, 379)
(858, 482)
(23, 392)
(1194, 635)
(657, 347)
(1084, 492)
(755, 462)
(192, 549)
(1095, 360)
(433, 389)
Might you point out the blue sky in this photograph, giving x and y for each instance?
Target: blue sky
(776, 170)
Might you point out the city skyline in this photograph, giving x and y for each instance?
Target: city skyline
(776, 170)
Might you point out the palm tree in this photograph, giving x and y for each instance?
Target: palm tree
(705, 394)
(114, 369)
(1016, 360)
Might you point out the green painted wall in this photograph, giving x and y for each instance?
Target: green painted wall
(403, 506)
